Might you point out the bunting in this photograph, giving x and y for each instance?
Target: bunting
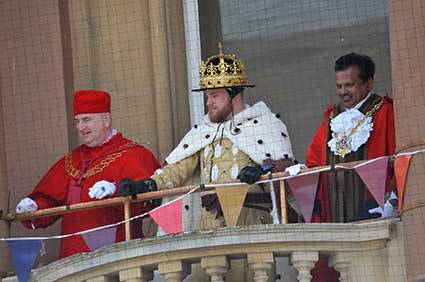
(99, 238)
(24, 253)
(231, 201)
(304, 188)
(374, 176)
(401, 167)
(169, 216)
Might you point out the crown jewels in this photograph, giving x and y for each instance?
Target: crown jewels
(220, 71)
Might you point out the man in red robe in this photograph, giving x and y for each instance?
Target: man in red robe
(360, 127)
(90, 172)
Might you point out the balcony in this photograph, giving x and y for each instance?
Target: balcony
(369, 250)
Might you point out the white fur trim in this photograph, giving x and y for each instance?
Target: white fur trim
(214, 173)
(235, 150)
(261, 136)
(217, 151)
(206, 151)
(235, 171)
(158, 171)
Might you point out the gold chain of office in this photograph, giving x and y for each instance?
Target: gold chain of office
(72, 171)
(343, 144)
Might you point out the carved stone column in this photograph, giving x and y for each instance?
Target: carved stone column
(260, 264)
(304, 263)
(173, 271)
(216, 267)
(136, 274)
(342, 265)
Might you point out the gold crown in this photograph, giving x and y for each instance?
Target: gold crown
(220, 71)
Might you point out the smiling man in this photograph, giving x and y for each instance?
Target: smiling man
(360, 127)
(90, 172)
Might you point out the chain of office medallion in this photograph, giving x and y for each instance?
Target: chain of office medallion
(99, 167)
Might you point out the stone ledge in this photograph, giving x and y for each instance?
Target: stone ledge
(234, 242)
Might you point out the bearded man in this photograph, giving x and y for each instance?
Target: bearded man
(234, 139)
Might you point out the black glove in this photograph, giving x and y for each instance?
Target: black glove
(251, 174)
(131, 187)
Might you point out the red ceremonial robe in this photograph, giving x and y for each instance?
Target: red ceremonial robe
(116, 159)
(380, 143)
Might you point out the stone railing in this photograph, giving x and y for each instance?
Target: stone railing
(366, 251)
(362, 251)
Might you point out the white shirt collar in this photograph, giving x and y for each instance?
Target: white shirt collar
(359, 104)
(114, 132)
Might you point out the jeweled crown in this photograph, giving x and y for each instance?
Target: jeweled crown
(221, 71)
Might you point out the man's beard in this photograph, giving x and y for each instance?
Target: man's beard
(219, 116)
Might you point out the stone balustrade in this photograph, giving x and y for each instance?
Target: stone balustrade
(368, 251)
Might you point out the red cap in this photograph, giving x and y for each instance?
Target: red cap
(91, 101)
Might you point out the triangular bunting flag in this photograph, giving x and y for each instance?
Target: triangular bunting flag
(304, 189)
(169, 216)
(231, 200)
(374, 176)
(401, 167)
(24, 253)
(99, 238)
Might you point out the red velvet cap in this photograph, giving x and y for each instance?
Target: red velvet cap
(91, 101)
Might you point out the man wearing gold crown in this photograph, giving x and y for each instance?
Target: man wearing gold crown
(232, 141)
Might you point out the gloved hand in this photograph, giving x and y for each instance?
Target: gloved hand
(26, 205)
(131, 187)
(251, 174)
(295, 169)
(102, 189)
(389, 209)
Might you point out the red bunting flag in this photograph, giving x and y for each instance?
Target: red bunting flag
(374, 176)
(401, 167)
(169, 216)
(304, 188)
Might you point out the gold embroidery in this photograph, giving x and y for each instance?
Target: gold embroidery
(99, 167)
(68, 166)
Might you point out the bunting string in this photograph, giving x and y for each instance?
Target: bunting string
(100, 227)
(24, 250)
(303, 173)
